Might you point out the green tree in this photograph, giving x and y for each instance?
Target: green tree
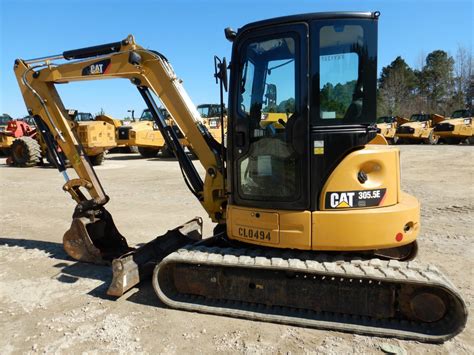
(397, 84)
(437, 81)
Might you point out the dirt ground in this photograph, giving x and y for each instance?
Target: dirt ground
(51, 304)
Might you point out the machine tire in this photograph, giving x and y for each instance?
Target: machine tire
(470, 140)
(432, 139)
(148, 152)
(25, 152)
(98, 159)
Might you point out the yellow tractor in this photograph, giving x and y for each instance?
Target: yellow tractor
(457, 128)
(387, 127)
(96, 137)
(312, 229)
(145, 135)
(211, 115)
(122, 145)
(419, 129)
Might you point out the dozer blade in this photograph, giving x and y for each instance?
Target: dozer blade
(135, 266)
(95, 240)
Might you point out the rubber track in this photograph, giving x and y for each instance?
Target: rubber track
(331, 266)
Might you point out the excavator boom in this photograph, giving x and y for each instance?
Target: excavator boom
(93, 236)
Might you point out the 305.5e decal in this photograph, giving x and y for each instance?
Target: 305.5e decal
(354, 199)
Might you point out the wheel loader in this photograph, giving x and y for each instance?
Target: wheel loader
(457, 128)
(419, 129)
(312, 227)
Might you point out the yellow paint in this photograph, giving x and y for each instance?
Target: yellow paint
(379, 139)
(288, 229)
(342, 228)
(380, 164)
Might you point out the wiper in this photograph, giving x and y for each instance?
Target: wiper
(269, 70)
(244, 78)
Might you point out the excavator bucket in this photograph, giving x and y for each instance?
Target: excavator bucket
(98, 241)
(135, 266)
(95, 240)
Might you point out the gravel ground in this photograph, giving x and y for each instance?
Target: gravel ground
(51, 304)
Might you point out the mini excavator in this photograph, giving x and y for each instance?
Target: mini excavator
(312, 227)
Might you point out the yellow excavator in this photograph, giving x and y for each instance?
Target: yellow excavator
(312, 226)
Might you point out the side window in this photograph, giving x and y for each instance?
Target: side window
(338, 81)
(341, 88)
(279, 87)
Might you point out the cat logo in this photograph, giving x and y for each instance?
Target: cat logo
(342, 199)
(355, 199)
(97, 68)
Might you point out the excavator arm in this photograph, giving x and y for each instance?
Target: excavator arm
(93, 236)
(150, 72)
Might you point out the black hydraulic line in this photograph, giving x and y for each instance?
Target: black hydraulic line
(93, 51)
(44, 131)
(172, 141)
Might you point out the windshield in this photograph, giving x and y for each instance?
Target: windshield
(385, 119)
(83, 116)
(207, 111)
(461, 114)
(4, 120)
(147, 116)
(419, 118)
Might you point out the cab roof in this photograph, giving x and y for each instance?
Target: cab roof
(308, 17)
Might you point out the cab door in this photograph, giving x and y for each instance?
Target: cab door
(268, 142)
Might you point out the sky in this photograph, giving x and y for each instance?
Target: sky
(189, 33)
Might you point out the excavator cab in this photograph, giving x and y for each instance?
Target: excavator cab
(322, 72)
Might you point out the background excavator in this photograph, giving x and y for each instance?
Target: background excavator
(312, 226)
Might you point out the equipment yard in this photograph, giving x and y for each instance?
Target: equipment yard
(50, 303)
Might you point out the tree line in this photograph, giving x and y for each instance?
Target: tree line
(442, 85)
